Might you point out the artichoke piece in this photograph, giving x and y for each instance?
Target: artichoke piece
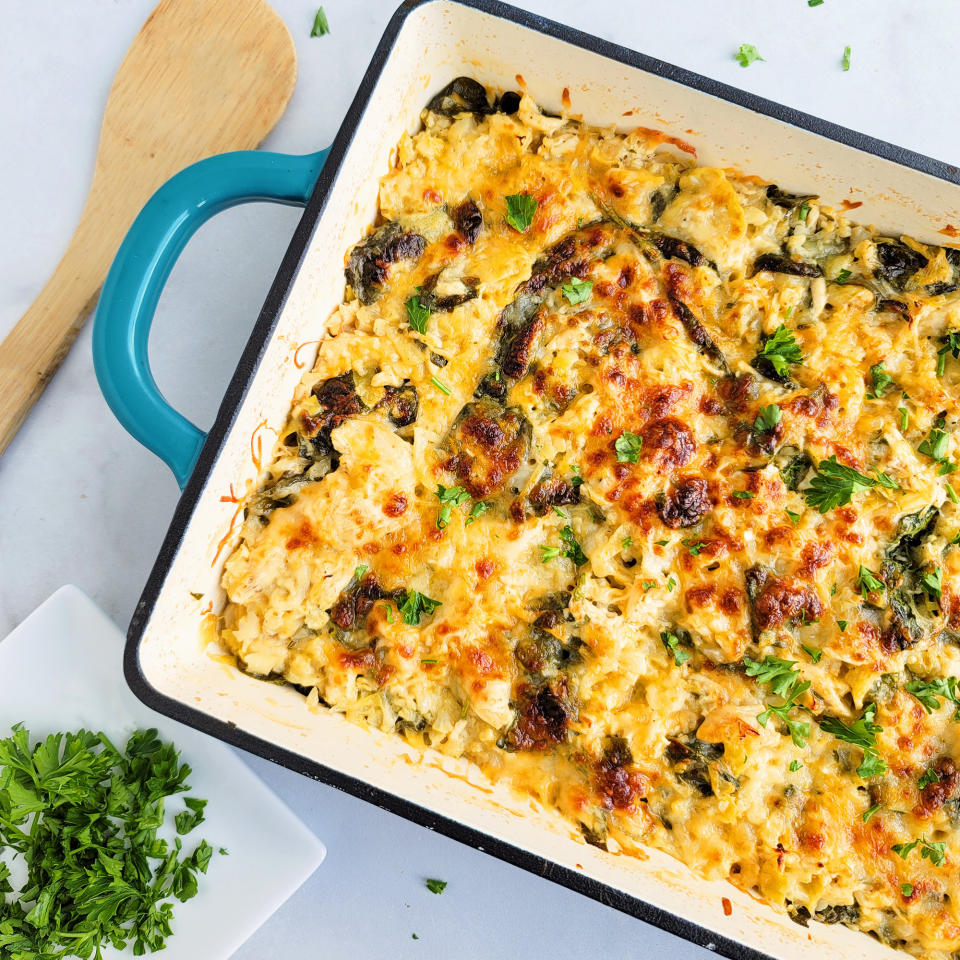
(462, 95)
(402, 404)
(897, 262)
(459, 291)
(778, 264)
(697, 332)
(368, 265)
(788, 200)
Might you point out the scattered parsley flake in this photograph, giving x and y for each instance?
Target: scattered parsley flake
(416, 605)
(862, 733)
(882, 381)
(804, 209)
(814, 3)
(932, 583)
(442, 387)
(743, 494)
(449, 498)
(648, 584)
(930, 776)
(521, 208)
(320, 25)
(549, 553)
(929, 692)
(436, 886)
(906, 889)
(672, 642)
(662, 543)
(794, 517)
(868, 582)
(360, 571)
(795, 765)
(417, 314)
(843, 276)
(577, 291)
(768, 418)
(784, 681)
(628, 447)
(934, 852)
(812, 652)
(869, 813)
(842, 624)
(846, 58)
(782, 350)
(695, 547)
(389, 609)
(935, 446)
(478, 508)
(627, 542)
(671, 583)
(747, 54)
(904, 418)
(951, 347)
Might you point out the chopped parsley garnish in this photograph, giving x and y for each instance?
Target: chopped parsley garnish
(320, 26)
(436, 886)
(568, 548)
(835, 485)
(671, 583)
(577, 479)
(936, 853)
(416, 605)
(747, 54)
(672, 642)
(360, 571)
(662, 543)
(802, 214)
(693, 546)
(843, 276)
(449, 498)
(767, 418)
(861, 733)
(814, 3)
(743, 494)
(478, 508)
(84, 818)
(577, 291)
(417, 314)
(521, 208)
(442, 387)
(868, 582)
(812, 652)
(628, 447)
(795, 765)
(846, 58)
(904, 418)
(869, 813)
(935, 446)
(784, 681)
(929, 692)
(930, 776)
(648, 585)
(627, 542)
(389, 609)
(793, 517)
(951, 347)
(881, 381)
(906, 889)
(842, 624)
(782, 350)
(932, 583)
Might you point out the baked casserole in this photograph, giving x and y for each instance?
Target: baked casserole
(631, 481)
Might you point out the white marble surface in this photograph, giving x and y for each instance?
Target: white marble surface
(81, 502)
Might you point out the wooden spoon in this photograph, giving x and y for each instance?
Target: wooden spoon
(200, 78)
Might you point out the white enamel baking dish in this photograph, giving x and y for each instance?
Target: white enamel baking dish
(169, 666)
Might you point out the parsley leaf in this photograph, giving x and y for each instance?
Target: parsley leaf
(930, 776)
(951, 347)
(747, 54)
(628, 447)
(835, 485)
(929, 692)
(882, 381)
(478, 508)
(846, 58)
(767, 418)
(935, 446)
(521, 208)
(784, 681)
(869, 813)
(417, 314)
(320, 25)
(812, 652)
(84, 819)
(416, 605)
(743, 494)
(449, 498)
(672, 642)
(932, 583)
(868, 582)
(843, 276)
(782, 350)
(906, 889)
(568, 548)
(861, 733)
(795, 765)
(936, 853)
(436, 886)
(577, 291)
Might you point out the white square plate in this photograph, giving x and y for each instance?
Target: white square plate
(62, 669)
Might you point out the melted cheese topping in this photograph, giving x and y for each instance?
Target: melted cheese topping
(545, 504)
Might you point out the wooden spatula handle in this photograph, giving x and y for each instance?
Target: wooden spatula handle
(35, 347)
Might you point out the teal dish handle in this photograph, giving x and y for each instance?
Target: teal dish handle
(128, 301)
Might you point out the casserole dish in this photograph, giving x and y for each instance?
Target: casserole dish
(425, 46)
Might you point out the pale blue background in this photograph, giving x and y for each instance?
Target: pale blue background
(81, 502)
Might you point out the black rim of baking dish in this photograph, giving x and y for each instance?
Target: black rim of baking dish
(244, 374)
